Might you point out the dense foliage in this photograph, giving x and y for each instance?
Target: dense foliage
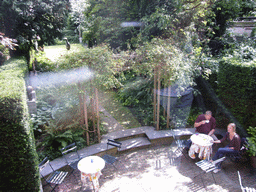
(237, 84)
(6, 44)
(106, 20)
(57, 122)
(223, 13)
(226, 11)
(19, 163)
(252, 141)
(28, 20)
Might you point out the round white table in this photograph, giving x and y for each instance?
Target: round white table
(201, 144)
(90, 168)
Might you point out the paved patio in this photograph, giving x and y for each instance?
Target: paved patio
(137, 171)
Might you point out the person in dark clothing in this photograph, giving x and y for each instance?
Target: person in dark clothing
(232, 148)
(206, 123)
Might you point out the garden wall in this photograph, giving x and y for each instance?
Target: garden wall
(18, 161)
(237, 89)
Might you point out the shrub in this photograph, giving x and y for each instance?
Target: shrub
(237, 84)
(19, 161)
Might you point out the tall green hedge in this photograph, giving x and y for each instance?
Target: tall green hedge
(18, 160)
(237, 88)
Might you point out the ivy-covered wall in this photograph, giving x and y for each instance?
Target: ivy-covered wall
(237, 89)
(18, 160)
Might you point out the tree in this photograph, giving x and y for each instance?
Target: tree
(24, 20)
(77, 16)
(228, 10)
(6, 44)
(157, 18)
(224, 12)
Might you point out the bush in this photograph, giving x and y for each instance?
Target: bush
(43, 63)
(237, 84)
(136, 92)
(19, 161)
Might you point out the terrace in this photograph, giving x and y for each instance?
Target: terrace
(138, 167)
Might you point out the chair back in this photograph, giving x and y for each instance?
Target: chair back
(240, 180)
(114, 143)
(70, 153)
(244, 144)
(43, 164)
(181, 143)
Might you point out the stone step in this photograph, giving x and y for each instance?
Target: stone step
(135, 143)
(127, 133)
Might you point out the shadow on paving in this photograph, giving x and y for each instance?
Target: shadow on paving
(162, 169)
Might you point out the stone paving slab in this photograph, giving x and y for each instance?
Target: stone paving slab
(128, 144)
(128, 132)
(137, 171)
(137, 142)
(108, 121)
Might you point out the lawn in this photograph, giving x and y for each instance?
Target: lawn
(55, 51)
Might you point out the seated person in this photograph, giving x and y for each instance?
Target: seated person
(205, 123)
(232, 148)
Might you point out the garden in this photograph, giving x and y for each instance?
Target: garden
(57, 120)
(89, 55)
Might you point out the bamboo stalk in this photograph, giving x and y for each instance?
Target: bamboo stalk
(168, 107)
(81, 104)
(86, 122)
(154, 104)
(97, 114)
(158, 99)
(165, 106)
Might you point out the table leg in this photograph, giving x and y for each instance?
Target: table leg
(95, 183)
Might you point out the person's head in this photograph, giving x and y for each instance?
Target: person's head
(208, 115)
(231, 127)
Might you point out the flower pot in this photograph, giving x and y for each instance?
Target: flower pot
(253, 161)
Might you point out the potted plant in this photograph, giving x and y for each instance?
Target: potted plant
(252, 145)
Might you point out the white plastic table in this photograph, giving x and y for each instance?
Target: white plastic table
(90, 168)
(201, 144)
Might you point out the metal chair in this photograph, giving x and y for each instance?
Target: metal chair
(109, 158)
(244, 189)
(56, 177)
(242, 151)
(208, 166)
(71, 156)
(181, 145)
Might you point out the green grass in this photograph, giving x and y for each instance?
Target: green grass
(55, 51)
(122, 114)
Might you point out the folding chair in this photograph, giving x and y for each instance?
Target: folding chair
(71, 156)
(56, 177)
(244, 189)
(181, 144)
(109, 158)
(208, 166)
(242, 151)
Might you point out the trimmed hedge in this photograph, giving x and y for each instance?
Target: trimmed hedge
(18, 161)
(221, 108)
(237, 88)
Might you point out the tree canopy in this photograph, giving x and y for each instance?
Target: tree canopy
(158, 18)
(24, 20)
